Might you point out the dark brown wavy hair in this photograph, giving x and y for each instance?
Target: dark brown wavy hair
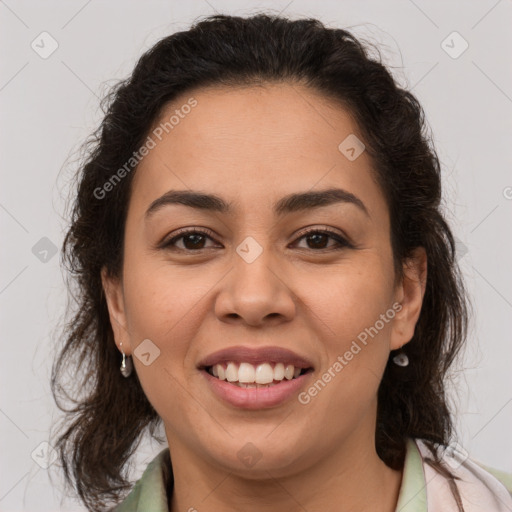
(107, 415)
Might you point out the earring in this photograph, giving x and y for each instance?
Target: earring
(126, 364)
(401, 358)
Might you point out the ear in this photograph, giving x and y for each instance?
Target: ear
(409, 294)
(113, 289)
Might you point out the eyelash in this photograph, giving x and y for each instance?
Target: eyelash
(342, 242)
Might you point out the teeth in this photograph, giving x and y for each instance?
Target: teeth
(248, 375)
(232, 372)
(279, 371)
(264, 374)
(241, 385)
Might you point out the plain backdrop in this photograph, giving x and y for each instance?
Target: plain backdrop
(50, 105)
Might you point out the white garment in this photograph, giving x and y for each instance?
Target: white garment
(479, 490)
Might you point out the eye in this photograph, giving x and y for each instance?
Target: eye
(193, 239)
(319, 237)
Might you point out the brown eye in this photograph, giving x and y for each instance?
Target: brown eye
(193, 240)
(317, 240)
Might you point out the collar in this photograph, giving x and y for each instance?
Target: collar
(413, 494)
(422, 488)
(149, 494)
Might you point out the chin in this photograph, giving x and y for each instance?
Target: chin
(256, 456)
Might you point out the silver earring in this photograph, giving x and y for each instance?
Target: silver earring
(401, 358)
(126, 364)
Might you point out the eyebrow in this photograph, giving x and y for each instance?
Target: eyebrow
(295, 202)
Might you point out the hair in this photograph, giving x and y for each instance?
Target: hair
(110, 413)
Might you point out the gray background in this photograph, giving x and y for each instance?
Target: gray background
(49, 106)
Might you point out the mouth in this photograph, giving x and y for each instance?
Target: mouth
(251, 378)
(263, 375)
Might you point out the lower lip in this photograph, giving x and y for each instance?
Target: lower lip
(255, 398)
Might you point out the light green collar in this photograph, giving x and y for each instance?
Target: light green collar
(413, 493)
(149, 494)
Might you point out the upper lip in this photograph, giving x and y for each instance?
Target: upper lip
(256, 356)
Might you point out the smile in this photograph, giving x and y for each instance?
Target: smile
(247, 375)
(255, 378)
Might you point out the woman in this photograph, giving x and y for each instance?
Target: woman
(257, 239)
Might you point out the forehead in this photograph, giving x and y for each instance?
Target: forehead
(252, 145)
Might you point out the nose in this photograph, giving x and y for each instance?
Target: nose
(256, 292)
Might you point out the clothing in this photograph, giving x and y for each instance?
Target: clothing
(423, 489)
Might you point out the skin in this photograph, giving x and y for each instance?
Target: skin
(252, 146)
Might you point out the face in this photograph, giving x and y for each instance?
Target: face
(313, 276)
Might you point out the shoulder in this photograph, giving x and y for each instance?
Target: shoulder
(502, 476)
(481, 488)
(151, 491)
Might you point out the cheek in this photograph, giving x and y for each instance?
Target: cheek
(161, 307)
(356, 316)
(163, 304)
(352, 297)
(347, 385)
